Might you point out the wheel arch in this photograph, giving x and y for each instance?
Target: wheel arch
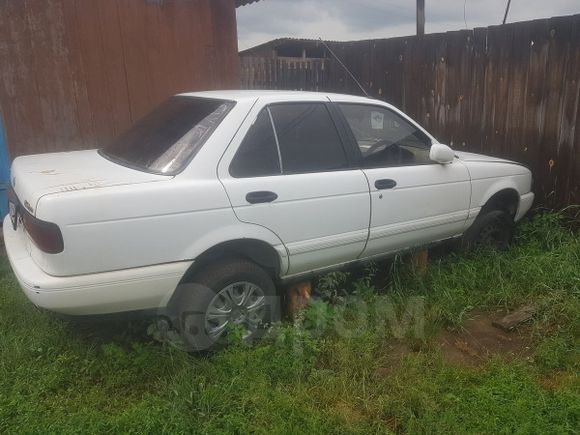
(256, 250)
(506, 199)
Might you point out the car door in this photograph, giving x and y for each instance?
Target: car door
(288, 170)
(414, 200)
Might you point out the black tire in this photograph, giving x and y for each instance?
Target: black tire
(492, 229)
(189, 308)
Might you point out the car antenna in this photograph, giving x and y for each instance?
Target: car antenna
(346, 69)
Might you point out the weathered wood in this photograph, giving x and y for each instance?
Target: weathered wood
(420, 261)
(511, 91)
(298, 297)
(74, 74)
(515, 319)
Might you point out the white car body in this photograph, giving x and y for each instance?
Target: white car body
(131, 236)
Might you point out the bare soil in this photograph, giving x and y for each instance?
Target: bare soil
(479, 340)
(472, 345)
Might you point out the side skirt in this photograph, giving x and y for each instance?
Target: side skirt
(290, 279)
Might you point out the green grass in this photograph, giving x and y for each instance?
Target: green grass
(335, 371)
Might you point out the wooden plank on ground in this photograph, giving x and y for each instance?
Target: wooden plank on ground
(517, 318)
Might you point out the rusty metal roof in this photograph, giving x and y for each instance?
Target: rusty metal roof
(245, 2)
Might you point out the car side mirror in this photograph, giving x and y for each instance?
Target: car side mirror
(441, 154)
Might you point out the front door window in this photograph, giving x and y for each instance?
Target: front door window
(385, 138)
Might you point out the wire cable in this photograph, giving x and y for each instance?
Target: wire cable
(507, 10)
(344, 66)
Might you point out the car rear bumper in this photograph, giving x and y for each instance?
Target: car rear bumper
(526, 201)
(142, 288)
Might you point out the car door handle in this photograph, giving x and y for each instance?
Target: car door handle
(385, 184)
(261, 196)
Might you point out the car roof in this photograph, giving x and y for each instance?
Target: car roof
(240, 95)
(284, 96)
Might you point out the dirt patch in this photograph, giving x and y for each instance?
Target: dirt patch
(475, 343)
(479, 340)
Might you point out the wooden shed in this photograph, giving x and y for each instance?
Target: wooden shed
(75, 73)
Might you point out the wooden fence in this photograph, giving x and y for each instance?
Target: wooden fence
(299, 74)
(511, 91)
(74, 74)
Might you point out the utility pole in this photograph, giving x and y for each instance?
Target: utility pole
(420, 259)
(420, 17)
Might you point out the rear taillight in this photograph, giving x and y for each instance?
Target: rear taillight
(45, 235)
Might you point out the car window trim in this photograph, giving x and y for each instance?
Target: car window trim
(276, 139)
(339, 124)
(353, 155)
(354, 142)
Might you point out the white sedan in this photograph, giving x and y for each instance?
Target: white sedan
(213, 199)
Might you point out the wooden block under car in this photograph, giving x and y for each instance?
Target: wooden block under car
(298, 297)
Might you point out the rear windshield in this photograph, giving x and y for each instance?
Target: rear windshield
(166, 140)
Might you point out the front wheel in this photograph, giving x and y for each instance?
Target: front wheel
(235, 293)
(493, 229)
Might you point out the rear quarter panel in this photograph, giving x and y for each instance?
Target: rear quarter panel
(139, 225)
(130, 226)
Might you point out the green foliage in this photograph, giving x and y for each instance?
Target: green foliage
(318, 318)
(545, 231)
(332, 286)
(356, 361)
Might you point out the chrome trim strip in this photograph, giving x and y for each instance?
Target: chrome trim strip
(277, 141)
(419, 224)
(312, 245)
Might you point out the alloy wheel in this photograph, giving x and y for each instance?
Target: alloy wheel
(241, 303)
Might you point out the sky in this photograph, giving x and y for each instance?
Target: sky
(351, 20)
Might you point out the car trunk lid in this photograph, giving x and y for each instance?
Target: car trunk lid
(35, 176)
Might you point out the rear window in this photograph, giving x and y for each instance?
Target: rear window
(166, 140)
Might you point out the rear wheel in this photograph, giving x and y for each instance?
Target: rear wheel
(492, 229)
(235, 293)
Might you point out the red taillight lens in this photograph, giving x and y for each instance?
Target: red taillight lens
(45, 235)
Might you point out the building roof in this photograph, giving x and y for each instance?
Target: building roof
(274, 43)
(245, 2)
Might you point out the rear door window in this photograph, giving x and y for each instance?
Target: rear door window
(308, 139)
